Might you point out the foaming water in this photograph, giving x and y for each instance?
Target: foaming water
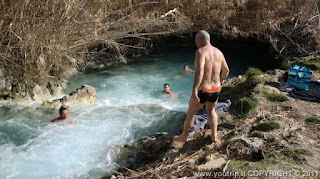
(130, 104)
(32, 148)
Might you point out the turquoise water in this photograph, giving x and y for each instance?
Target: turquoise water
(129, 105)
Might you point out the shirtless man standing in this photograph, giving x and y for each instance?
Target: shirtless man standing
(207, 84)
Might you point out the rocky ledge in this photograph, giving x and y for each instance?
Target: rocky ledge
(85, 94)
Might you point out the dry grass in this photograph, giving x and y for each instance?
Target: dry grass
(40, 40)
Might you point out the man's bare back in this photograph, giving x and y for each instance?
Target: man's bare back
(209, 62)
(213, 61)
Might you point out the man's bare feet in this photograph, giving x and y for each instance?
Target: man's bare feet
(213, 138)
(180, 139)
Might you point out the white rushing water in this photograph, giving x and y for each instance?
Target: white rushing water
(130, 104)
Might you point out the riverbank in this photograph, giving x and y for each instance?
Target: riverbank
(285, 130)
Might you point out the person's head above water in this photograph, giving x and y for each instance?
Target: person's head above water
(166, 87)
(202, 38)
(185, 67)
(64, 113)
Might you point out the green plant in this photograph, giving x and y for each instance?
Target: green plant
(302, 152)
(237, 130)
(253, 81)
(295, 154)
(274, 143)
(253, 72)
(313, 119)
(274, 97)
(267, 126)
(238, 162)
(244, 106)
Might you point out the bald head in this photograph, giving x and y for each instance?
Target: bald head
(203, 35)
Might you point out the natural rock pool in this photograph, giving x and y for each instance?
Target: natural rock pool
(129, 105)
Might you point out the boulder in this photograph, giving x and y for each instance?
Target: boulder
(149, 147)
(212, 165)
(85, 94)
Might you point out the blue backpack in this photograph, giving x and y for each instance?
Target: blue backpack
(299, 77)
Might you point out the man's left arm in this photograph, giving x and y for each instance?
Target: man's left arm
(199, 63)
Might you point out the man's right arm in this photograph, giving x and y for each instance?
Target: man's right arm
(225, 70)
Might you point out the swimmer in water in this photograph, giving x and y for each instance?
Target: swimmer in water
(166, 90)
(64, 115)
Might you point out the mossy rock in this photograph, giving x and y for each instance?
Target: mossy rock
(267, 126)
(313, 119)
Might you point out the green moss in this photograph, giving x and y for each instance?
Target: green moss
(302, 152)
(238, 162)
(288, 153)
(228, 141)
(267, 126)
(256, 134)
(313, 119)
(244, 106)
(295, 154)
(274, 143)
(253, 72)
(249, 103)
(237, 130)
(274, 97)
(253, 81)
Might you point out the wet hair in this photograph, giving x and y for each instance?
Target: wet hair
(203, 35)
(62, 108)
(166, 84)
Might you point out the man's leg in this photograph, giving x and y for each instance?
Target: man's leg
(188, 123)
(212, 120)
